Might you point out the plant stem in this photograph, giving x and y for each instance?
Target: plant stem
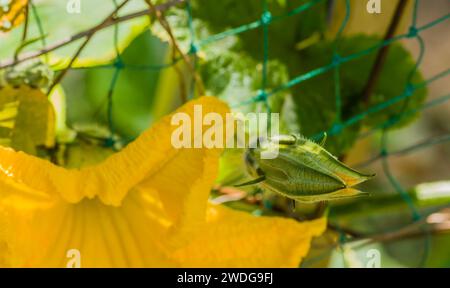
(382, 53)
(25, 27)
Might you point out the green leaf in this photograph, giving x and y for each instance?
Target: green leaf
(27, 119)
(133, 92)
(301, 26)
(315, 102)
(370, 24)
(58, 99)
(387, 211)
(101, 48)
(237, 79)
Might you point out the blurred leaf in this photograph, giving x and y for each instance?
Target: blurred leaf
(433, 192)
(100, 49)
(388, 213)
(237, 79)
(315, 102)
(364, 254)
(232, 167)
(301, 26)
(370, 24)
(439, 254)
(34, 74)
(58, 99)
(170, 88)
(179, 23)
(389, 203)
(132, 93)
(27, 118)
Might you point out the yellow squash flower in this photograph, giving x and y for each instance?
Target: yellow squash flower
(146, 206)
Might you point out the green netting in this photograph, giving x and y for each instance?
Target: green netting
(339, 124)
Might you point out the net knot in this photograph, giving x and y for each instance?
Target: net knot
(109, 142)
(409, 89)
(262, 96)
(336, 129)
(337, 60)
(392, 121)
(193, 49)
(342, 238)
(413, 32)
(266, 18)
(119, 64)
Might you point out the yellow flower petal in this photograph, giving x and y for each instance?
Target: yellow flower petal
(39, 232)
(112, 179)
(145, 206)
(238, 239)
(12, 14)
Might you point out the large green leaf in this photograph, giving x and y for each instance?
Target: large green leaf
(237, 79)
(58, 24)
(133, 90)
(300, 26)
(315, 101)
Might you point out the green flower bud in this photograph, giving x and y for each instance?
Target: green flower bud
(36, 75)
(39, 76)
(15, 78)
(303, 171)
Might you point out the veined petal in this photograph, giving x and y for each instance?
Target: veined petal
(37, 231)
(176, 182)
(112, 179)
(184, 181)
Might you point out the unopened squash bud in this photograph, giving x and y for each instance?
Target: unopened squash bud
(303, 171)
